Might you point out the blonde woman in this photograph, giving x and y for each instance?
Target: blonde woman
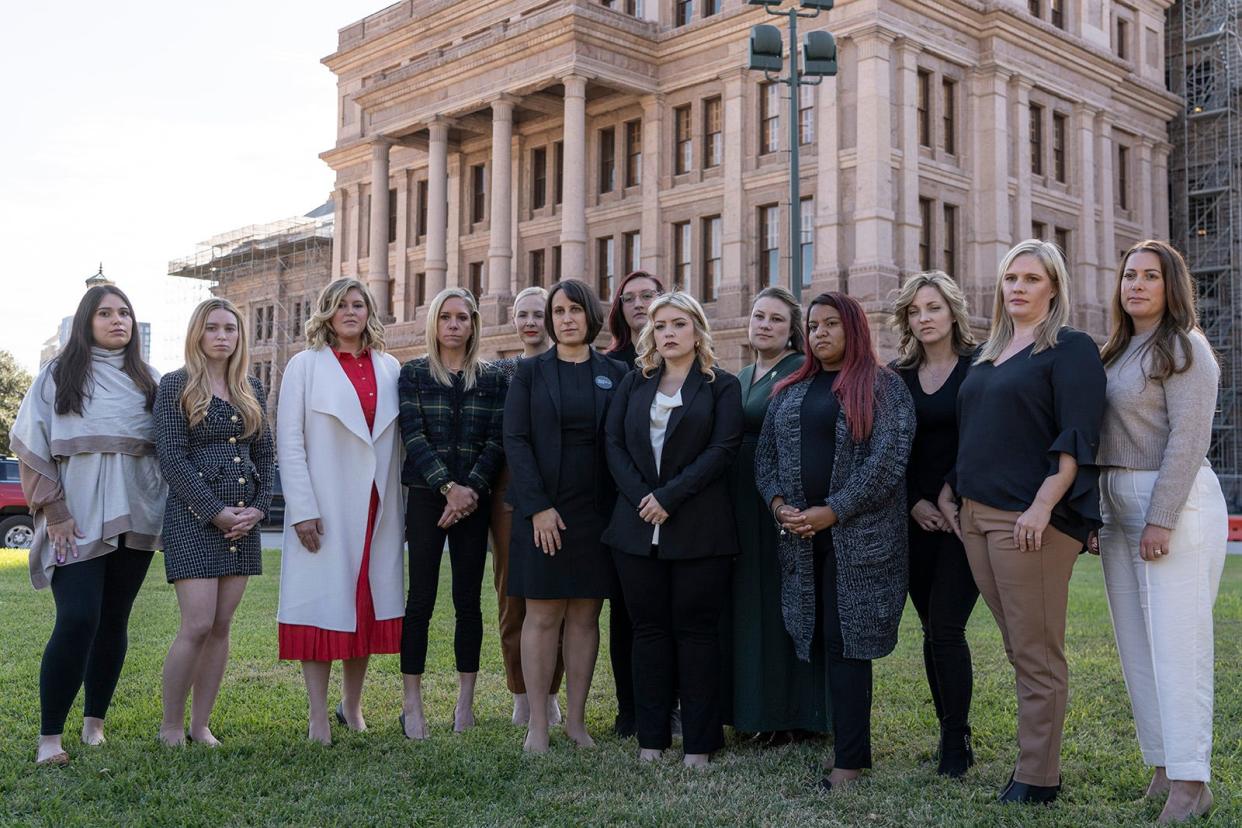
(934, 355)
(1029, 418)
(452, 403)
(216, 454)
(673, 431)
(340, 464)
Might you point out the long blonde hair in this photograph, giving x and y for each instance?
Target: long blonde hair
(649, 359)
(470, 371)
(196, 396)
(319, 327)
(909, 348)
(1001, 332)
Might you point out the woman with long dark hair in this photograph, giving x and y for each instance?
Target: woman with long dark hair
(831, 465)
(1163, 541)
(216, 452)
(85, 438)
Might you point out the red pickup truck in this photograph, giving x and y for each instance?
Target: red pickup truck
(16, 525)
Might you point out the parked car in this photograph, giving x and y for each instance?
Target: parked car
(16, 525)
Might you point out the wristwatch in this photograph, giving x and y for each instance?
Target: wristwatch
(444, 490)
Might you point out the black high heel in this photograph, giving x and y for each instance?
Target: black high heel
(340, 713)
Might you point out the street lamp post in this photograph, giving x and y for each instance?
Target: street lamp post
(819, 60)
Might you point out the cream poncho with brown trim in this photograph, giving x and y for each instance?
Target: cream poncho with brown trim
(99, 468)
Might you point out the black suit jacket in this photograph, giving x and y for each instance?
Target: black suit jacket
(692, 485)
(532, 431)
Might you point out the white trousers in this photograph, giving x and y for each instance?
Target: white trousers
(1162, 616)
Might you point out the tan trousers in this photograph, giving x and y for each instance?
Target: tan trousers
(1027, 593)
(512, 610)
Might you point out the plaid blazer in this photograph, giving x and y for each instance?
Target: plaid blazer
(451, 433)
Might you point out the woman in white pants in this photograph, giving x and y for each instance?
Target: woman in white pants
(1165, 521)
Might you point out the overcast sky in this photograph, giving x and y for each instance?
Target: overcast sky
(133, 130)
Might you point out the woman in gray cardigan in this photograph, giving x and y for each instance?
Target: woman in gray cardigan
(831, 465)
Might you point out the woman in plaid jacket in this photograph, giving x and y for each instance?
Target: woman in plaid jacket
(451, 413)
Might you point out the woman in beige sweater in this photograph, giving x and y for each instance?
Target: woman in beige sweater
(1165, 521)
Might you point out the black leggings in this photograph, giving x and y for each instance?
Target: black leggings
(88, 644)
(849, 679)
(943, 592)
(467, 542)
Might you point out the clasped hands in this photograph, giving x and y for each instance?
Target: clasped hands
(459, 502)
(237, 521)
(803, 522)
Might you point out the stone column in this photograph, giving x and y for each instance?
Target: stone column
(1108, 198)
(1160, 189)
(456, 208)
(519, 184)
(873, 273)
(908, 221)
(573, 206)
(401, 310)
(377, 269)
(826, 274)
(500, 240)
(353, 231)
(1020, 96)
(1147, 198)
(339, 231)
(735, 282)
(650, 256)
(990, 199)
(436, 261)
(1084, 258)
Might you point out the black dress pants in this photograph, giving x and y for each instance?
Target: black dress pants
(849, 679)
(621, 654)
(88, 644)
(467, 541)
(943, 592)
(676, 606)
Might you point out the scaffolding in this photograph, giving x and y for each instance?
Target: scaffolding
(1205, 172)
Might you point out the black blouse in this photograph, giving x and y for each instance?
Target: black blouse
(627, 355)
(1016, 419)
(820, 408)
(935, 438)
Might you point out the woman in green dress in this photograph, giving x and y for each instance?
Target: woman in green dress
(775, 695)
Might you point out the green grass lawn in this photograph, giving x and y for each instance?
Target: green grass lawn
(267, 773)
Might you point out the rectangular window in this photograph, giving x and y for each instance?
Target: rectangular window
(712, 256)
(420, 228)
(295, 324)
(806, 114)
(538, 178)
(634, 7)
(478, 193)
(713, 135)
(476, 279)
(633, 153)
(684, 12)
(949, 253)
(1058, 146)
(924, 108)
(536, 268)
(711, 7)
(769, 245)
(1123, 177)
(949, 115)
(1056, 15)
(605, 272)
(392, 216)
(420, 289)
(769, 118)
(684, 143)
(607, 159)
(1062, 238)
(556, 263)
(681, 255)
(559, 153)
(1033, 6)
(925, 233)
(1037, 139)
(633, 250)
(1038, 230)
(1122, 45)
(806, 219)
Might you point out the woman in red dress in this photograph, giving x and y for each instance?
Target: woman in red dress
(342, 573)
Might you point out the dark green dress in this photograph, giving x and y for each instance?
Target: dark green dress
(771, 688)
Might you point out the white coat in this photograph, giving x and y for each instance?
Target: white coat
(328, 459)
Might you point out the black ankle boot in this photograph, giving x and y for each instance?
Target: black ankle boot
(956, 755)
(1029, 794)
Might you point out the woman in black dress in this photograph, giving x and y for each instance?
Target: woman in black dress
(935, 350)
(562, 496)
(216, 453)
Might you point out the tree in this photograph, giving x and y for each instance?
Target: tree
(14, 383)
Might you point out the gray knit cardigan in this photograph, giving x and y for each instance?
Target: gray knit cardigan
(868, 495)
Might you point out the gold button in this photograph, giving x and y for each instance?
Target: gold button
(241, 503)
(241, 480)
(233, 418)
(232, 548)
(200, 474)
(232, 439)
(236, 459)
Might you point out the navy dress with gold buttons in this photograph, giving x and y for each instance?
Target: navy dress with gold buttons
(210, 467)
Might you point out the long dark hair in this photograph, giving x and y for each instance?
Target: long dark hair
(72, 370)
(617, 326)
(1180, 316)
(855, 385)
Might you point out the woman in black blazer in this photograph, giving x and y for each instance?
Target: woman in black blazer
(562, 495)
(673, 431)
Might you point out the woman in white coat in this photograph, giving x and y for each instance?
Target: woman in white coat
(339, 446)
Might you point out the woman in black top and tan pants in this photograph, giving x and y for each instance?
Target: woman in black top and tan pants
(1029, 419)
(673, 431)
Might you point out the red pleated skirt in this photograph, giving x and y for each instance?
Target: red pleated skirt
(300, 642)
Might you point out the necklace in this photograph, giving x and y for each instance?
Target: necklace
(935, 377)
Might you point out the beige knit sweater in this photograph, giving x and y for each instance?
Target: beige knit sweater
(1160, 425)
